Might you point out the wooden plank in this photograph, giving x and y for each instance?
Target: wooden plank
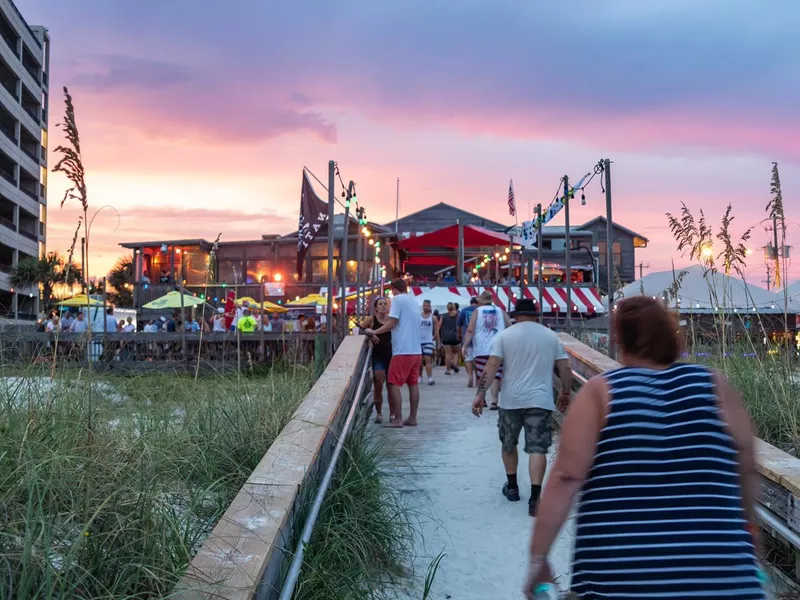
(254, 535)
(774, 497)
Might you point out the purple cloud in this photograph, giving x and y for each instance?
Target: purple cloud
(615, 71)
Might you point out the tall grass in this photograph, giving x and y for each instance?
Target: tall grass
(768, 381)
(770, 390)
(363, 535)
(120, 513)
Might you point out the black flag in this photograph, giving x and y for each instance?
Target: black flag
(313, 215)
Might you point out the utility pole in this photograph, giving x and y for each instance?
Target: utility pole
(343, 257)
(331, 281)
(642, 267)
(539, 261)
(397, 209)
(612, 351)
(567, 253)
(359, 313)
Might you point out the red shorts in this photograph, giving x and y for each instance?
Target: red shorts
(404, 369)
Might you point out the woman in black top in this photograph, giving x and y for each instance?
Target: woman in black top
(448, 330)
(381, 351)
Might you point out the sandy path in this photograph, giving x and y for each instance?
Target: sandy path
(449, 467)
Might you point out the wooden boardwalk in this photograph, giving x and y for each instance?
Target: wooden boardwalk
(450, 470)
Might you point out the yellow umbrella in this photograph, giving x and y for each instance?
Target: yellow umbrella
(248, 299)
(310, 299)
(80, 300)
(173, 300)
(269, 307)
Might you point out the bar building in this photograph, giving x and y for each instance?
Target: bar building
(161, 265)
(24, 69)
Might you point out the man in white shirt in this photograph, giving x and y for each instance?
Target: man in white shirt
(404, 367)
(528, 352)
(80, 324)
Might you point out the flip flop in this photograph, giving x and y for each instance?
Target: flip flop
(493, 406)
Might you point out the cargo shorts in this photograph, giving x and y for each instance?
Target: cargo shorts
(537, 423)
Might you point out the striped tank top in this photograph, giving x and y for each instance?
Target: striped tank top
(661, 513)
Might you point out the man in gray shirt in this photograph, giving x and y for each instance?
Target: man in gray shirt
(527, 352)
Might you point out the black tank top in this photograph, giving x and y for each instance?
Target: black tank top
(383, 349)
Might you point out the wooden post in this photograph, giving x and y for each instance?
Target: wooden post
(460, 259)
(261, 321)
(183, 324)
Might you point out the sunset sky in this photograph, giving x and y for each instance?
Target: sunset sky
(196, 117)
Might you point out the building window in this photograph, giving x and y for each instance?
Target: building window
(229, 271)
(259, 271)
(616, 250)
(195, 265)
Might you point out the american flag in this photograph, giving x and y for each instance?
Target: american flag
(512, 206)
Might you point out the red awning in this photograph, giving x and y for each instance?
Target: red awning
(430, 261)
(474, 237)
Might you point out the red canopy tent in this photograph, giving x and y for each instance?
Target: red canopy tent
(474, 237)
(431, 261)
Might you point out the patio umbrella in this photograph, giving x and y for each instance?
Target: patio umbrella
(243, 299)
(80, 300)
(311, 299)
(269, 307)
(173, 300)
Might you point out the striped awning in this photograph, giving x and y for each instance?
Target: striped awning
(585, 300)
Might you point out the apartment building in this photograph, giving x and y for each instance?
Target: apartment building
(24, 71)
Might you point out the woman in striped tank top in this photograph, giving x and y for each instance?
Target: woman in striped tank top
(662, 454)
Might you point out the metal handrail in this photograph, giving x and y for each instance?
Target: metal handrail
(293, 574)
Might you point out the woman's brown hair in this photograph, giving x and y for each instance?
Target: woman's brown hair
(645, 329)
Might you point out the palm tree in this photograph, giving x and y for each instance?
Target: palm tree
(47, 271)
(121, 279)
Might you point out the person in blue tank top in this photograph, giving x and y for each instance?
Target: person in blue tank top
(662, 455)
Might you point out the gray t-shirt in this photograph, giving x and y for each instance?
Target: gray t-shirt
(529, 352)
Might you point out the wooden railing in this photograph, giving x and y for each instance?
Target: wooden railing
(247, 554)
(150, 351)
(779, 501)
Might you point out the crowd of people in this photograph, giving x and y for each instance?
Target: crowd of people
(658, 455)
(243, 319)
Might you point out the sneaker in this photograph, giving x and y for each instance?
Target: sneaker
(456, 369)
(431, 382)
(532, 506)
(511, 493)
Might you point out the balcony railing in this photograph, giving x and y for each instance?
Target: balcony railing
(28, 234)
(33, 111)
(11, 87)
(30, 153)
(11, 41)
(30, 192)
(8, 175)
(33, 72)
(5, 222)
(9, 131)
(6, 268)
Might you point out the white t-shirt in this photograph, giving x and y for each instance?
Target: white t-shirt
(529, 352)
(489, 322)
(219, 323)
(79, 326)
(405, 335)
